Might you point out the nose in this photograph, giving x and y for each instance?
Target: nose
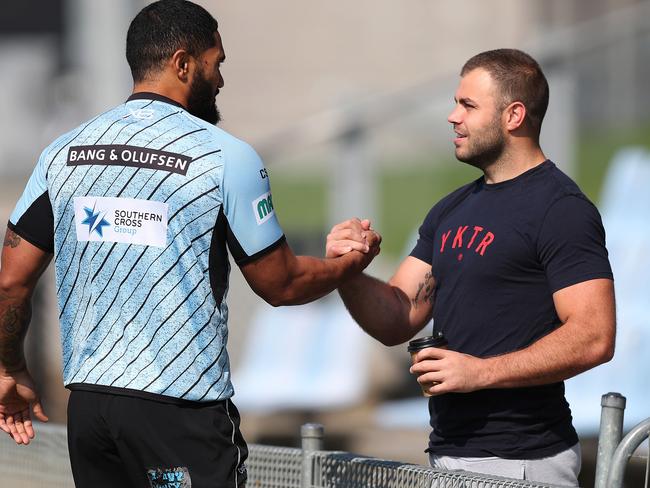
(454, 116)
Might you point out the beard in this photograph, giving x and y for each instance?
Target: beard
(201, 101)
(486, 148)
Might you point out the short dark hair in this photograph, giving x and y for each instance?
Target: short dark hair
(518, 77)
(162, 28)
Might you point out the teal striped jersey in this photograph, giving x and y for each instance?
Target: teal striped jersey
(139, 206)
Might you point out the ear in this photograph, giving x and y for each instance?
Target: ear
(514, 115)
(181, 62)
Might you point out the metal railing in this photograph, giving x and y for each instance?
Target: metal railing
(311, 467)
(615, 453)
(45, 462)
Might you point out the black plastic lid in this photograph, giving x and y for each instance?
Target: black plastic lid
(436, 340)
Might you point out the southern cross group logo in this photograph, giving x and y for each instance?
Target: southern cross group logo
(95, 221)
(124, 220)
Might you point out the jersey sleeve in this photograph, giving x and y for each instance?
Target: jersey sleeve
(253, 228)
(423, 249)
(32, 219)
(571, 243)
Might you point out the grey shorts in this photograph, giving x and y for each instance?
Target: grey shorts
(561, 469)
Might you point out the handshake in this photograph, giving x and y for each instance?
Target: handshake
(353, 235)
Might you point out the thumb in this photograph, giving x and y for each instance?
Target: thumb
(336, 250)
(341, 250)
(39, 413)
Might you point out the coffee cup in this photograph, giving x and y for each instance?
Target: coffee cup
(436, 340)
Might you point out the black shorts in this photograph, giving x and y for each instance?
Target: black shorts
(124, 441)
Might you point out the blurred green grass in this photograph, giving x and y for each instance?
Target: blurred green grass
(596, 150)
(405, 196)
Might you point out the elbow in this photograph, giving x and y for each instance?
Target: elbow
(276, 301)
(392, 335)
(279, 297)
(608, 343)
(390, 341)
(5, 286)
(602, 352)
(288, 291)
(606, 352)
(11, 287)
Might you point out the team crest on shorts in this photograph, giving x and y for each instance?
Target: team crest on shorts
(178, 477)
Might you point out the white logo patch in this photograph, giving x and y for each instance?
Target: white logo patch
(142, 113)
(126, 220)
(263, 208)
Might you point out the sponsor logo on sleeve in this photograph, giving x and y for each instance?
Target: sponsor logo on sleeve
(134, 156)
(126, 220)
(263, 208)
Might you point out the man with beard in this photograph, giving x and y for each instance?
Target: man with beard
(513, 270)
(138, 207)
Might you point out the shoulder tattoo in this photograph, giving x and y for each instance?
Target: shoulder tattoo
(11, 239)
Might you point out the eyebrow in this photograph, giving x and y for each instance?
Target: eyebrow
(465, 100)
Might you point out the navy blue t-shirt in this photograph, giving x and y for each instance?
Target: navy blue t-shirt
(498, 252)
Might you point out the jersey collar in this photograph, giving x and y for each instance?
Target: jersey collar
(153, 96)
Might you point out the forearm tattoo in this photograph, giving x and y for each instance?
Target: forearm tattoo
(11, 239)
(14, 319)
(426, 291)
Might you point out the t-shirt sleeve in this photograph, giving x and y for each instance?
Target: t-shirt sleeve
(571, 243)
(252, 226)
(32, 219)
(423, 249)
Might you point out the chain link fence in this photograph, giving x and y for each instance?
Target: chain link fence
(272, 467)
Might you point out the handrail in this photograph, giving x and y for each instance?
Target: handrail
(624, 452)
(609, 435)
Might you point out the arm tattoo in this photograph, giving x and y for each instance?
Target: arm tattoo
(14, 319)
(426, 290)
(11, 239)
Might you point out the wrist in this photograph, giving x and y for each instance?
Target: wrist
(487, 373)
(12, 361)
(353, 265)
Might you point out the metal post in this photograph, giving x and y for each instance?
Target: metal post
(312, 440)
(353, 176)
(611, 431)
(560, 128)
(624, 451)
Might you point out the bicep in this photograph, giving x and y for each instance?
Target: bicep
(590, 306)
(415, 280)
(270, 271)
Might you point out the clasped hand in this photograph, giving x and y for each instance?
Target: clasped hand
(353, 235)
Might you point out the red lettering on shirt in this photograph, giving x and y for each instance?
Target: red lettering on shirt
(458, 239)
(477, 229)
(487, 240)
(445, 236)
